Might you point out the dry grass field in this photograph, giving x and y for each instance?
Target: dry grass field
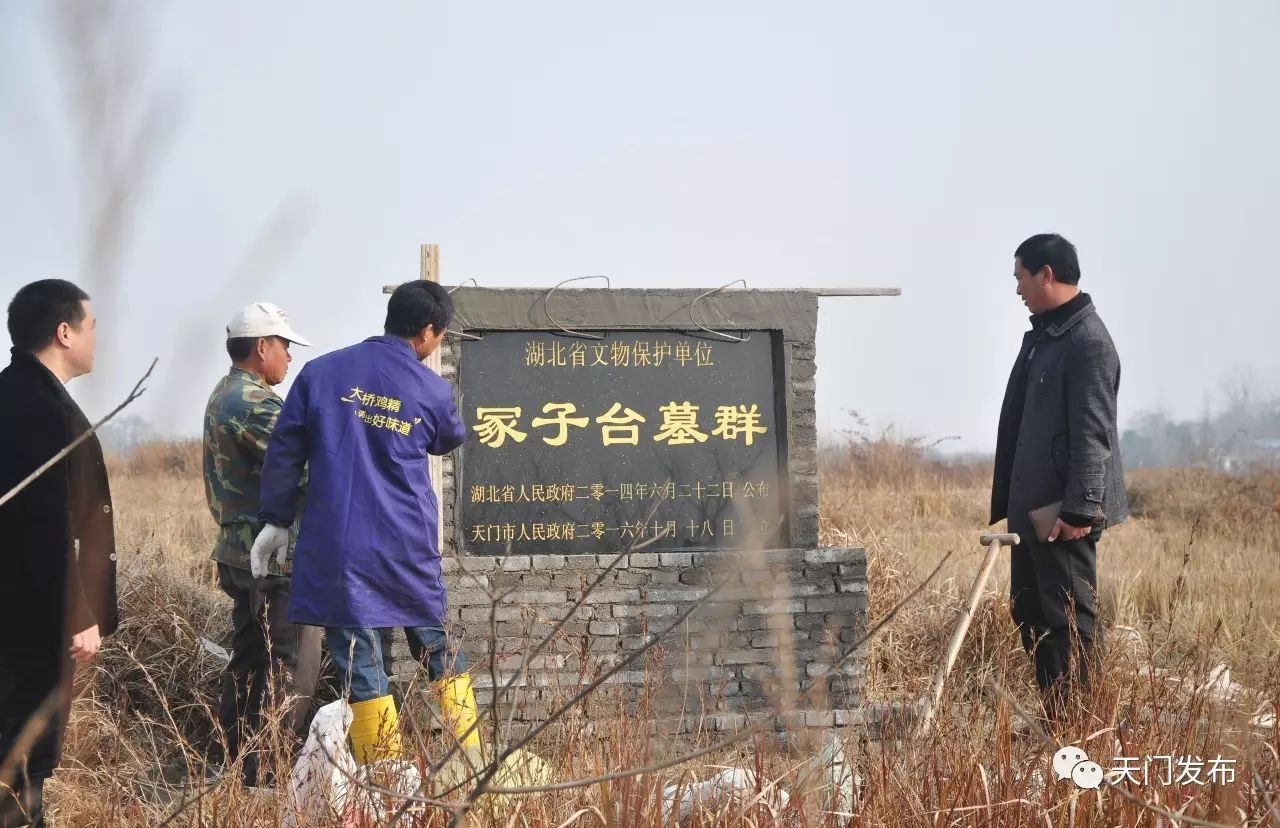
(1195, 575)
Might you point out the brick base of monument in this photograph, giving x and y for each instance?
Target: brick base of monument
(760, 648)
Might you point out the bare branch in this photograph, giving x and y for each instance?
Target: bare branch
(121, 129)
(52, 461)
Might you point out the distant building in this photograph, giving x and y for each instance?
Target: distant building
(1246, 453)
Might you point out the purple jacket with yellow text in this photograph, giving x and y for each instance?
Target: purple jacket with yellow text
(364, 418)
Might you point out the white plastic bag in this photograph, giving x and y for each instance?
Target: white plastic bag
(318, 784)
(326, 779)
(734, 784)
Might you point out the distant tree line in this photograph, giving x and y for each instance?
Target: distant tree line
(1244, 433)
(126, 433)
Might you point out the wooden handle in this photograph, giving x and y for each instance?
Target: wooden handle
(993, 544)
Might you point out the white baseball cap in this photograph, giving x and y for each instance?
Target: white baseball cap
(262, 319)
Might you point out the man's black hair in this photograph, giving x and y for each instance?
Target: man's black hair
(240, 348)
(1052, 250)
(415, 305)
(39, 308)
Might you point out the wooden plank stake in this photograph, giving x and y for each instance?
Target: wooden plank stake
(430, 270)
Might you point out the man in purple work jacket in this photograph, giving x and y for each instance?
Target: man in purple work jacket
(363, 419)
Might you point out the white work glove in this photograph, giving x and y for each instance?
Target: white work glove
(270, 539)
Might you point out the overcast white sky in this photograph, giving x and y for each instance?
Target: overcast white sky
(672, 144)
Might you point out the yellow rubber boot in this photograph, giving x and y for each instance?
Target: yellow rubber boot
(375, 730)
(458, 707)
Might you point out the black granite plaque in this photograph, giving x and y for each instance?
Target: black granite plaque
(581, 446)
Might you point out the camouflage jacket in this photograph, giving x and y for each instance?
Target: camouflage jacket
(238, 421)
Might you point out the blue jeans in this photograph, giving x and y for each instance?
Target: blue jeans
(362, 657)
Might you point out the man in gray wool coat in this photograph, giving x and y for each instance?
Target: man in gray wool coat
(1058, 476)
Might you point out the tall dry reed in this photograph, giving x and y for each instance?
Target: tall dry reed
(1194, 573)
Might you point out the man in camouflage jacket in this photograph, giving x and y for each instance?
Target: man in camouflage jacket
(270, 655)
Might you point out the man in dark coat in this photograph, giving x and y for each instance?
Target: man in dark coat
(57, 543)
(1057, 465)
